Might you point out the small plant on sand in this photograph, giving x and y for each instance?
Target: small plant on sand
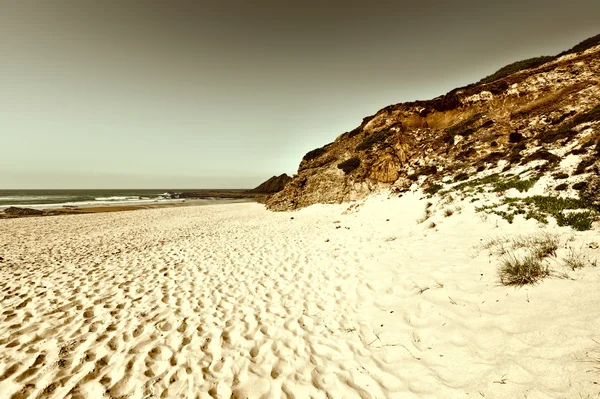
(527, 270)
(431, 225)
(427, 214)
(543, 245)
(448, 212)
(574, 260)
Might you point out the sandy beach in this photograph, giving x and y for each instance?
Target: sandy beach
(332, 301)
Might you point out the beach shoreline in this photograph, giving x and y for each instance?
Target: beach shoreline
(117, 207)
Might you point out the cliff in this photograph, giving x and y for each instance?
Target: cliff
(528, 111)
(273, 185)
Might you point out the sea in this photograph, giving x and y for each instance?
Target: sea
(67, 198)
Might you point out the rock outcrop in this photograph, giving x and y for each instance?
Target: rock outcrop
(16, 211)
(273, 185)
(515, 116)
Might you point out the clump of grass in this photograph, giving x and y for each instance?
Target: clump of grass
(574, 260)
(527, 270)
(427, 214)
(543, 245)
(431, 225)
(448, 212)
(373, 139)
(349, 165)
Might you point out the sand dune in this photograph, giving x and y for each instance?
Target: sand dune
(234, 301)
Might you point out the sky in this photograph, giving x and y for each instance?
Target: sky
(225, 94)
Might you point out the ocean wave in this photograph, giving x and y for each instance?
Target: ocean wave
(32, 197)
(119, 198)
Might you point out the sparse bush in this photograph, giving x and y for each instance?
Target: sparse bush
(516, 67)
(515, 271)
(448, 212)
(317, 152)
(580, 221)
(373, 139)
(349, 165)
(584, 45)
(431, 225)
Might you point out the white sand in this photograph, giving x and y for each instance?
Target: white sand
(234, 301)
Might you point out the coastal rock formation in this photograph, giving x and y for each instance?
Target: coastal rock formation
(16, 211)
(273, 185)
(527, 111)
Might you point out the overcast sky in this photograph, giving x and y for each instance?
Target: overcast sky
(222, 94)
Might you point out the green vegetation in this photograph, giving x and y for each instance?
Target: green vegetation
(317, 152)
(349, 165)
(539, 207)
(584, 45)
(516, 67)
(580, 221)
(372, 139)
(521, 185)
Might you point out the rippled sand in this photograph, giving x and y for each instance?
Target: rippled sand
(234, 301)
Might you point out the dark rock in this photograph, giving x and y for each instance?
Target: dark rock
(16, 211)
(560, 175)
(493, 144)
(515, 137)
(561, 187)
(579, 186)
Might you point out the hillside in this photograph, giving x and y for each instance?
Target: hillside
(531, 121)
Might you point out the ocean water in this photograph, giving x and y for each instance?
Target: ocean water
(61, 198)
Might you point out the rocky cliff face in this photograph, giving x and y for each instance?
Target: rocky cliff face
(510, 117)
(273, 185)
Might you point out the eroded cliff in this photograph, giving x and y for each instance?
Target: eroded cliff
(513, 117)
